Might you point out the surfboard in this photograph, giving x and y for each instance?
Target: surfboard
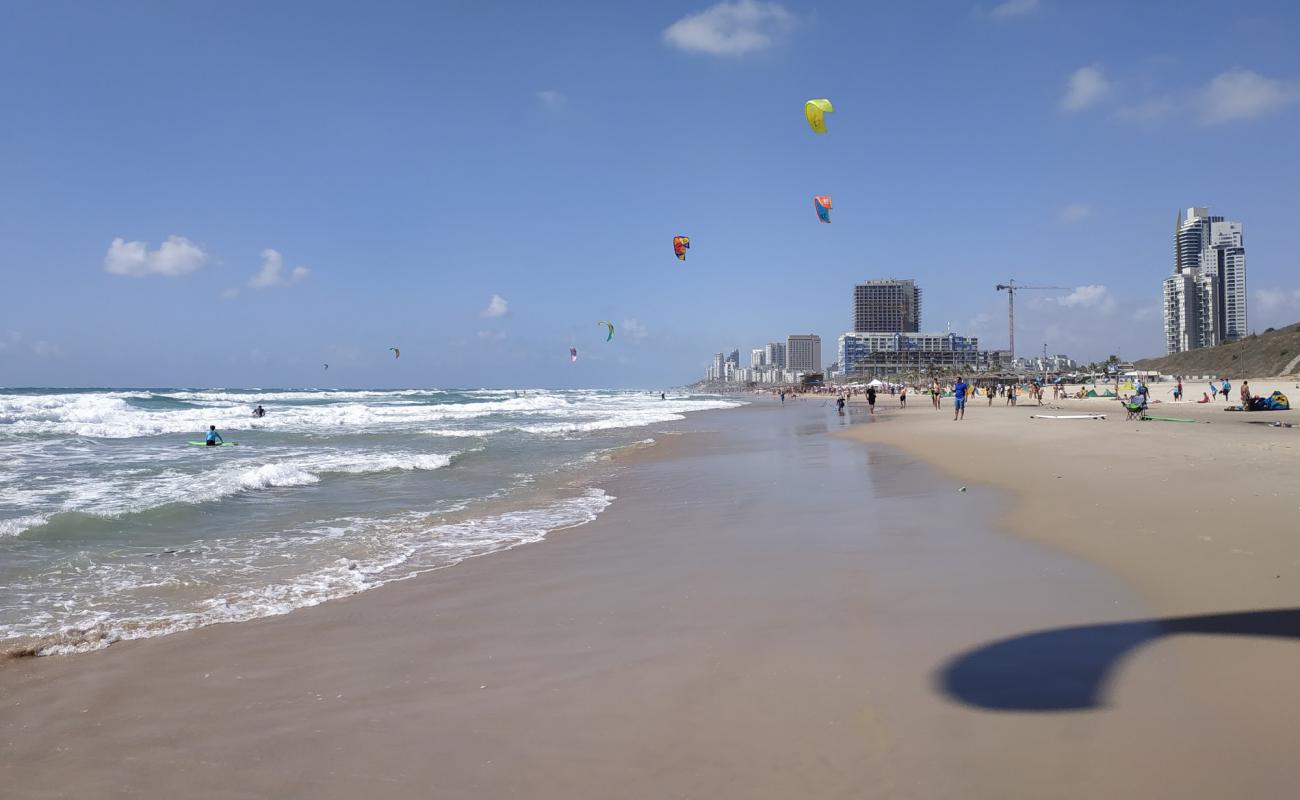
(222, 444)
(1067, 416)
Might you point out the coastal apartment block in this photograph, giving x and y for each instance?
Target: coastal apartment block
(884, 353)
(889, 305)
(1204, 300)
(803, 352)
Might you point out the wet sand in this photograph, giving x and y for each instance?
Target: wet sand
(766, 611)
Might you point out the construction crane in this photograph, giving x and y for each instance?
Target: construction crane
(1011, 288)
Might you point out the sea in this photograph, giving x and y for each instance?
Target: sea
(113, 526)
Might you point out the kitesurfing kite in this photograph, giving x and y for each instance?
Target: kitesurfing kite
(822, 203)
(573, 355)
(396, 353)
(680, 245)
(609, 325)
(816, 111)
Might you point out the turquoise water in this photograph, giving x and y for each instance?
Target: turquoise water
(111, 526)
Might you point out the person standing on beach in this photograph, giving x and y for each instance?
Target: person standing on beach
(902, 396)
(1178, 390)
(935, 393)
(990, 391)
(1245, 395)
(871, 398)
(1011, 394)
(839, 404)
(783, 397)
(959, 399)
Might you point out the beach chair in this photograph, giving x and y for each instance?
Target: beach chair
(1136, 406)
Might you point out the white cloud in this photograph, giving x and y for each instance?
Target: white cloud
(1094, 296)
(272, 272)
(494, 336)
(1086, 87)
(1151, 110)
(1075, 212)
(634, 330)
(1142, 313)
(552, 98)
(730, 28)
(1240, 94)
(1270, 300)
(498, 306)
(1013, 8)
(14, 340)
(175, 257)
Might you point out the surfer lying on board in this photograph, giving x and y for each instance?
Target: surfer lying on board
(214, 438)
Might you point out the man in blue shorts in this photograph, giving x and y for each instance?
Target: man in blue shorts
(959, 390)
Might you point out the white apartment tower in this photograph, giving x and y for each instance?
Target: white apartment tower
(1205, 298)
(803, 352)
(758, 357)
(775, 355)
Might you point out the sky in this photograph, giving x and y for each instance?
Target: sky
(237, 193)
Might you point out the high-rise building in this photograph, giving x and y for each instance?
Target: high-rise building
(758, 357)
(887, 306)
(734, 357)
(775, 355)
(718, 370)
(1205, 298)
(803, 352)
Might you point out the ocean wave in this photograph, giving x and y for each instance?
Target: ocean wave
(117, 494)
(71, 603)
(112, 415)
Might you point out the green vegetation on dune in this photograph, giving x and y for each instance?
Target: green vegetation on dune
(1257, 356)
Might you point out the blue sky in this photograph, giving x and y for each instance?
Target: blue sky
(234, 194)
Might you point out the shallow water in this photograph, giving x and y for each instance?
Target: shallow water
(112, 526)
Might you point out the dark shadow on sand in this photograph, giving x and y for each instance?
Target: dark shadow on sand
(1066, 669)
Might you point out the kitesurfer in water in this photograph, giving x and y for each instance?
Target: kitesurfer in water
(214, 438)
(259, 412)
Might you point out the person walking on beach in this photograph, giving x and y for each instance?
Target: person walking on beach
(935, 393)
(1178, 390)
(902, 396)
(839, 404)
(990, 391)
(783, 397)
(1225, 388)
(1011, 394)
(871, 398)
(214, 438)
(959, 399)
(1245, 395)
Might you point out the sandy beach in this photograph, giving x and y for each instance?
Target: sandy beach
(767, 610)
